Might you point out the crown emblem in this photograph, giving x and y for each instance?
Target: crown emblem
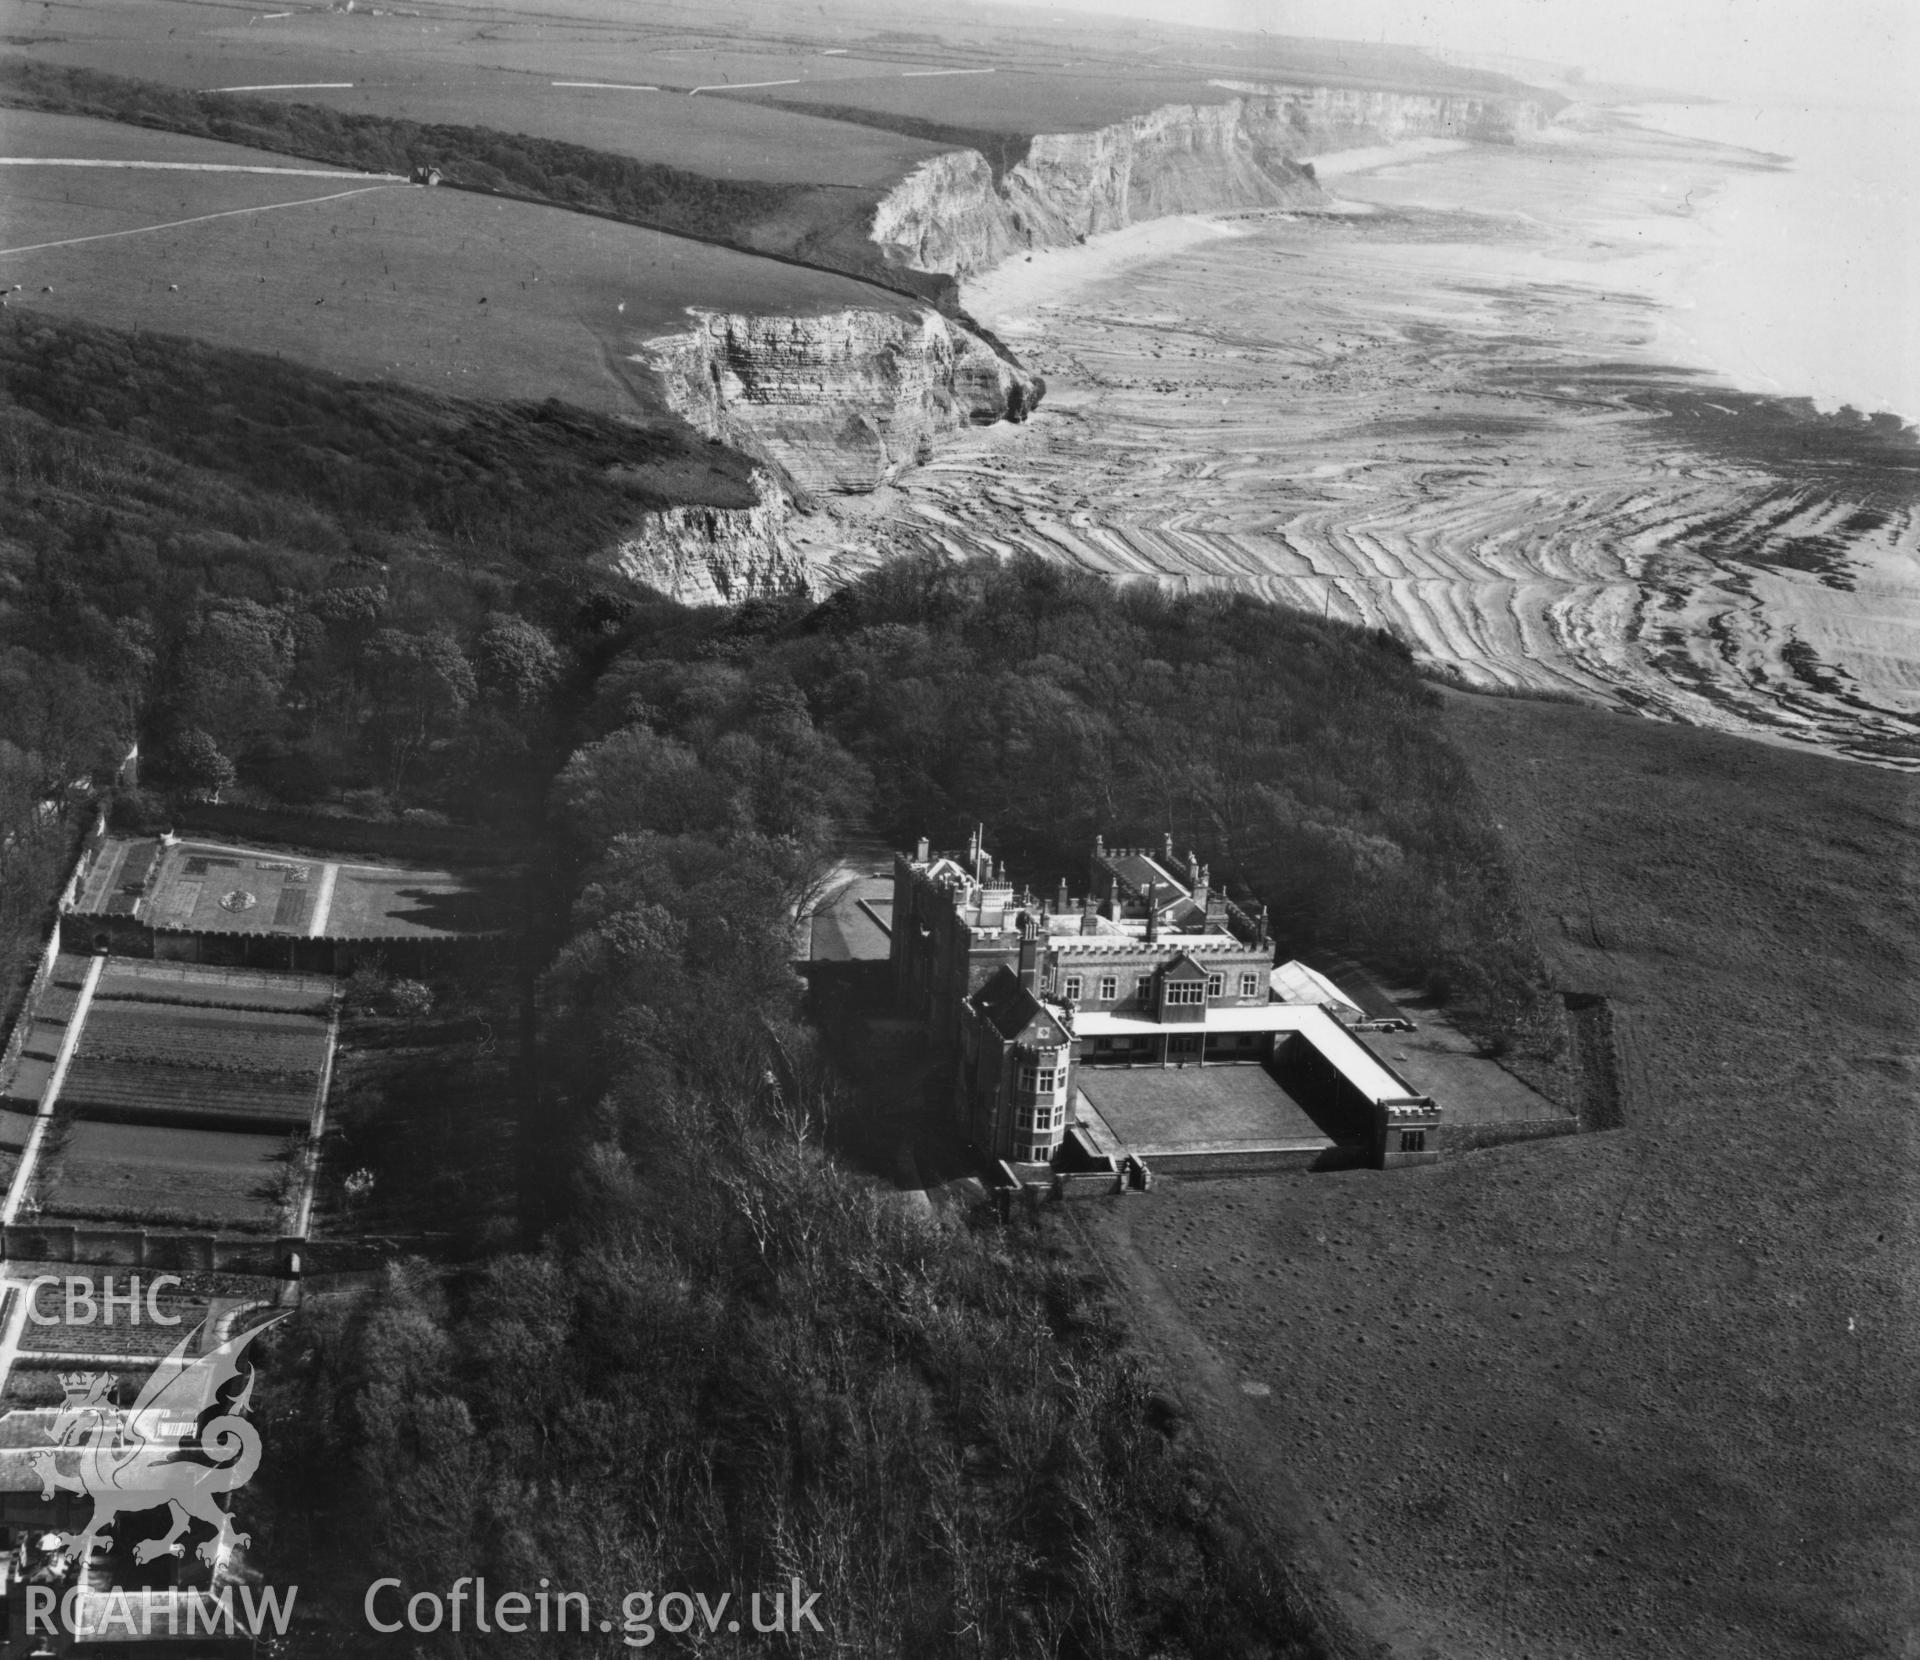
(86, 1388)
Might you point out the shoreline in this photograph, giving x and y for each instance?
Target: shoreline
(1449, 418)
(1058, 274)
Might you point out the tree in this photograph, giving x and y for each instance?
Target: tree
(635, 779)
(420, 685)
(518, 662)
(63, 721)
(195, 759)
(230, 671)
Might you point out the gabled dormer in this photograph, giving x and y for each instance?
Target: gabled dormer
(1183, 989)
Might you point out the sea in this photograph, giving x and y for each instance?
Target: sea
(1804, 281)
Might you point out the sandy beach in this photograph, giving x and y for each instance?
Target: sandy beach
(1456, 417)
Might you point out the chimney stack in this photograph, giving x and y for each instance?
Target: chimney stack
(1168, 847)
(1201, 873)
(922, 851)
(1153, 915)
(1089, 915)
(1063, 901)
(1100, 845)
(1113, 899)
(1029, 955)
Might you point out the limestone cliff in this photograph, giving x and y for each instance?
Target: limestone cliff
(952, 214)
(841, 401)
(846, 400)
(717, 555)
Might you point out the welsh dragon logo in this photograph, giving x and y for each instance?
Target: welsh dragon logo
(181, 1444)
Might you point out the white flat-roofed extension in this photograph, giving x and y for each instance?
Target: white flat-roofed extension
(1356, 1064)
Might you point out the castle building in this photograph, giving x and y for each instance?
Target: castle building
(1152, 967)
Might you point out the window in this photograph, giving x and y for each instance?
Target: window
(1216, 984)
(1040, 1080)
(1188, 1045)
(1143, 988)
(1109, 988)
(1071, 990)
(1186, 992)
(1059, 1116)
(1249, 985)
(1413, 1141)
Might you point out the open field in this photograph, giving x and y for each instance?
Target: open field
(166, 1173)
(726, 137)
(1007, 102)
(432, 47)
(446, 291)
(1628, 1394)
(26, 134)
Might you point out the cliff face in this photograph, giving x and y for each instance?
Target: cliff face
(842, 401)
(952, 215)
(717, 555)
(847, 400)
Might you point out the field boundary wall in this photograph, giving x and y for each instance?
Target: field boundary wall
(1471, 1138)
(50, 952)
(1250, 1161)
(338, 835)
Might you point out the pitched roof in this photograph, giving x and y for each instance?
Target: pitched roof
(1294, 982)
(1136, 870)
(1014, 1012)
(1186, 967)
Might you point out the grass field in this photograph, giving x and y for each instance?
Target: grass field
(30, 133)
(1011, 101)
(852, 96)
(1628, 1394)
(725, 137)
(446, 291)
(166, 1174)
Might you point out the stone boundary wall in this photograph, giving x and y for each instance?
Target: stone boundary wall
(103, 1245)
(1471, 1138)
(43, 971)
(1230, 1162)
